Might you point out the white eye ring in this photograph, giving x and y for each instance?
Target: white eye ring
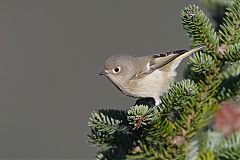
(116, 70)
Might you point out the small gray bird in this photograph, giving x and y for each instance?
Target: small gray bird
(147, 76)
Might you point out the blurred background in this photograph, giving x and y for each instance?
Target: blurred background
(50, 54)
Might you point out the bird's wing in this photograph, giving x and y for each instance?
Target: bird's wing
(159, 61)
(162, 59)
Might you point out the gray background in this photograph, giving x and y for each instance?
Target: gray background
(50, 54)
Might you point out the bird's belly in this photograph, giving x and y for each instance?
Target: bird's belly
(152, 85)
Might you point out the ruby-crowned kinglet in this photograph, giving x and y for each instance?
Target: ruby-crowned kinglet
(147, 76)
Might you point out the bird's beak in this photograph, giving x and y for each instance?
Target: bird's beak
(104, 72)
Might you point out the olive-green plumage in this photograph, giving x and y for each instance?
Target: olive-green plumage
(147, 76)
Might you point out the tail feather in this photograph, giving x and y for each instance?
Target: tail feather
(189, 52)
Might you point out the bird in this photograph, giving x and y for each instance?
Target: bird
(145, 76)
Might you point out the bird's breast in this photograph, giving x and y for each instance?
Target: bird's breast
(151, 85)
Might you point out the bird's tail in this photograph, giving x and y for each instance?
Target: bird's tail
(191, 51)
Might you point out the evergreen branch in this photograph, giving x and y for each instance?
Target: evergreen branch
(206, 155)
(109, 128)
(214, 145)
(178, 95)
(166, 131)
(106, 120)
(161, 128)
(147, 151)
(199, 28)
(228, 89)
(204, 114)
(112, 154)
(230, 29)
(217, 9)
(230, 86)
(181, 99)
(209, 140)
(200, 65)
(232, 71)
(157, 150)
(232, 54)
(141, 115)
(229, 148)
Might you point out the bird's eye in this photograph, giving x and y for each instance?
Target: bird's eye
(116, 69)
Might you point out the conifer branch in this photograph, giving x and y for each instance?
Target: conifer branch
(214, 145)
(166, 131)
(230, 86)
(232, 53)
(199, 28)
(230, 29)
